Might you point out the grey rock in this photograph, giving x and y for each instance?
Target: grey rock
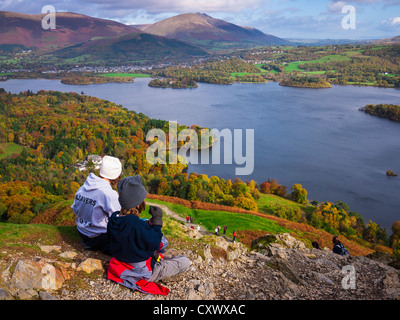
(5, 295)
(44, 295)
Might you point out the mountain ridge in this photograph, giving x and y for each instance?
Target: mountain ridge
(71, 28)
(132, 46)
(197, 27)
(392, 40)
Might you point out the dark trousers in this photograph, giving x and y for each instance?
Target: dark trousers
(99, 243)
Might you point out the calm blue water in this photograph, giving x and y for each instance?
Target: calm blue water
(314, 137)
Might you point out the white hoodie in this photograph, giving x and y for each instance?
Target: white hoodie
(94, 203)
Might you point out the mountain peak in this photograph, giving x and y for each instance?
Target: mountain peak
(200, 28)
(71, 28)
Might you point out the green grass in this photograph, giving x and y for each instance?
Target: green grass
(242, 74)
(329, 58)
(209, 219)
(293, 66)
(81, 58)
(268, 203)
(261, 69)
(315, 72)
(170, 226)
(9, 148)
(29, 235)
(119, 74)
(354, 53)
(10, 61)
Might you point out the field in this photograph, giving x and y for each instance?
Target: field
(294, 66)
(251, 225)
(329, 58)
(9, 148)
(209, 219)
(268, 203)
(27, 236)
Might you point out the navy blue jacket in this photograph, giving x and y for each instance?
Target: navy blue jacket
(132, 239)
(340, 249)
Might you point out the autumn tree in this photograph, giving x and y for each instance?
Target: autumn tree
(299, 194)
(371, 231)
(265, 187)
(245, 203)
(395, 241)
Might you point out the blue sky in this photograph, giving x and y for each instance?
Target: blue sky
(316, 19)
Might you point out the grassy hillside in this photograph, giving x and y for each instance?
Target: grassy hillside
(24, 239)
(72, 28)
(214, 34)
(270, 203)
(131, 47)
(209, 219)
(250, 225)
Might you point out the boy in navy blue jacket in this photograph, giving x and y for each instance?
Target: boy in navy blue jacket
(136, 244)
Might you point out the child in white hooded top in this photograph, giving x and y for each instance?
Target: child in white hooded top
(94, 203)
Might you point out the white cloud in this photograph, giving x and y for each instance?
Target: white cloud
(162, 6)
(392, 22)
(336, 6)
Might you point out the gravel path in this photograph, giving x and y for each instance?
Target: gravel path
(173, 214)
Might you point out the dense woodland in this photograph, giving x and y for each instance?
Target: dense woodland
(306, 82)
(389, 111)
(173, 83)
(319, 66)
(216, 72)
(372, 65)
(348, 64)
(58, 129)
(87, 79)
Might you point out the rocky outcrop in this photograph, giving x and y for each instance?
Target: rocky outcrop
(321, 274)
(37, 277)
(278, 267)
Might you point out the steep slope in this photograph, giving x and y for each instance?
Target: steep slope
(201, 29)
(278, 267)
(71, 28)
(130, 47)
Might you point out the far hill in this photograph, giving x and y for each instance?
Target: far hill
(202, 30)
(130, 47)
(394, 40)
(71, 28)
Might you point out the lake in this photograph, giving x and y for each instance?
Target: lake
(315, 137)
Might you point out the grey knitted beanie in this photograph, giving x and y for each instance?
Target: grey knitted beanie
(131, 192)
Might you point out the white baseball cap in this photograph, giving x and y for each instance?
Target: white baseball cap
(111, 168)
